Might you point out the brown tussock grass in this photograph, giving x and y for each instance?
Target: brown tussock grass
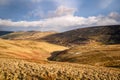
(15, 69)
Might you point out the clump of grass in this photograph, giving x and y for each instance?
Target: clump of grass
(113, 64)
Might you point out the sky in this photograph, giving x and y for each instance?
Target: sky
(57, 15)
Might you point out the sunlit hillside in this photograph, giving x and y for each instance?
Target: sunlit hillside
(59, 39)
(26, 49)
(26, 55)
(27, 35)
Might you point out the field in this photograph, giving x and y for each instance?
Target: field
(15, 69)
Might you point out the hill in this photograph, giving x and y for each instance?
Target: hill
(27, 35)
(25, 59)
(96, 55)
(25, 49)
(26, 55)
(5, 32)
(103, 34)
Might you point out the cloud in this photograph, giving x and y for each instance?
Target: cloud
(62, 23)
(64, 11)
(60, 11)
(115, 15)
(63, 7)
(19, 23)
(105, 3)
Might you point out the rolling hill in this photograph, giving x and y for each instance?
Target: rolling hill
(92, 54)
(27, 35)
(109, 34)
(25, 59)
(103, 34)
(25, 49)
(5, 32)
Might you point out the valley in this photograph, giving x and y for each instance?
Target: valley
(91, 53)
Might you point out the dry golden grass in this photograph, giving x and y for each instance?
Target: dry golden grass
(93, 54)
(27, 49)
(14, 69)
(27, 35)
(27, 60)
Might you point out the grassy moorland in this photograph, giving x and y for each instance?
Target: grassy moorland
(27, 35)
(27, 60)
(104, 34)
(25, 49)
(26, 55)
(93, 54)
(15, 69)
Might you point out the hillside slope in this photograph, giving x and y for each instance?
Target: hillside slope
(25, 49)
(97, 55)
(5, 32)
(103, 34)
(27, 35)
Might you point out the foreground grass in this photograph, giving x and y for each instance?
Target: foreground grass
(15, 69)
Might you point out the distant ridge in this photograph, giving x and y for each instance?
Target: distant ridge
(5, 32)
(104, 34)
(109, 34)
(27, 35)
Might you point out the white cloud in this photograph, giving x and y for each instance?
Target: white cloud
(114, 15)
(64, 7)
(105, 3)
(10, 23)
(60, 11)
(62, 23)
(64, 11)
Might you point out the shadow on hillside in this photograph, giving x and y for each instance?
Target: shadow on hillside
(53, 55)
(5, 32)
(107, 34)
